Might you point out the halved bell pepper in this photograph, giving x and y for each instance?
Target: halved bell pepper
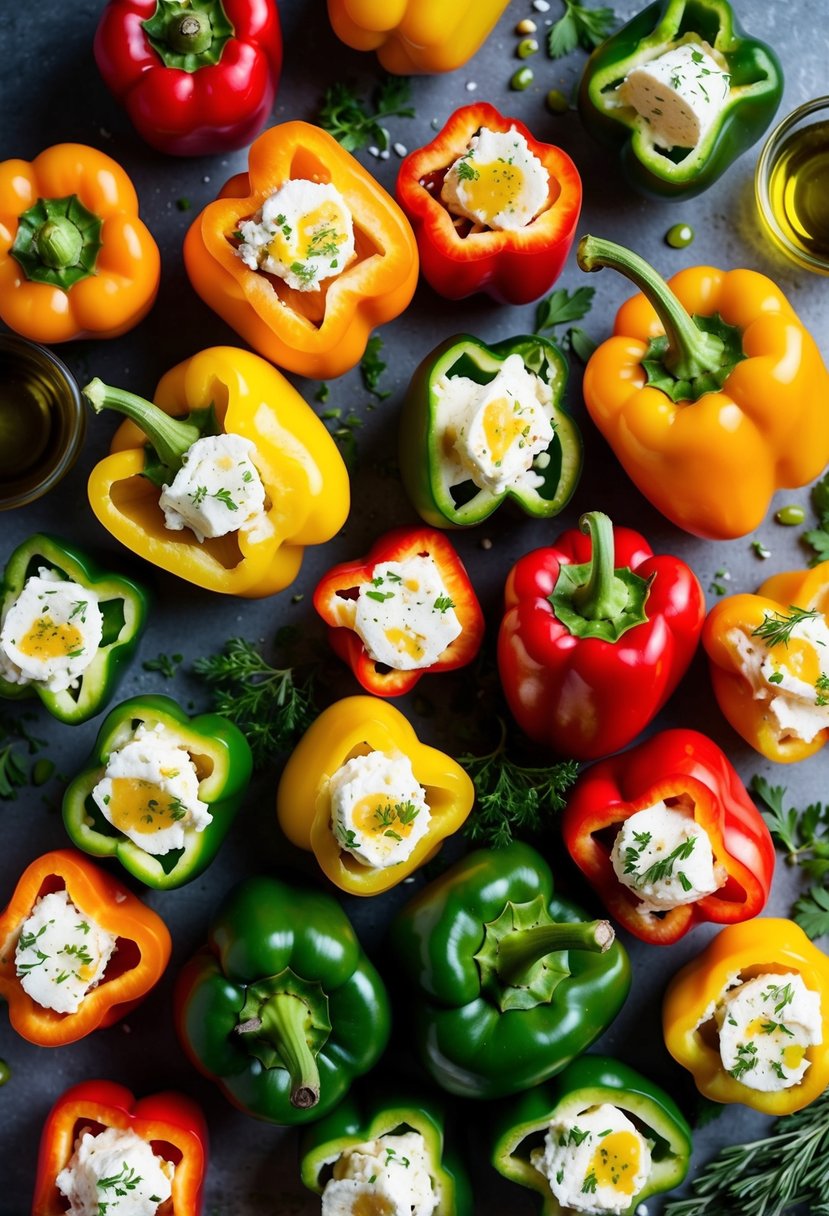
(351, 727)
(416, 36)
(230, 391)
(320, 334)
(123, 605)
(142, 953)
(222, 759)
(513, 266)
(754, 87)
(587, 1082)
(429, 473)
(757, 947)
(282, 1009)
(508, 983)
(170, 1122)
(710, 380)
(757, 646)
(674, 766)
(597, 633)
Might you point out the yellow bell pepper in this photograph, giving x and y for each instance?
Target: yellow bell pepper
(416, 36)
(351, 727)
(305, 480)
(783, 627)
(764, 946)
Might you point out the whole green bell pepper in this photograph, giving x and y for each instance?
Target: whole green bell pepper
(438, 483)
(754, 84)
(510, 983)
(123, 606)
(222, 758)
(282, 1008)
(587, 1082)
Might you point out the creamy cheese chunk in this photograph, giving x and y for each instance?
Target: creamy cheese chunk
(664, 857)
(61, 953)
(595, 1161)
(379, 811)
(497, 182)
(404, 616)
(680, 94)
(303, 234)
(792, 676)
(765, 1027)
(51, 633)
(117, 1173)
(217, 490)
(389, 1176)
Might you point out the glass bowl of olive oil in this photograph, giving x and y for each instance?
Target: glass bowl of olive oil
(42, 421)
(792, 185)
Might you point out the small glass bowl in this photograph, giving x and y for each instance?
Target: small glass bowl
(777, 144)
(42, 421)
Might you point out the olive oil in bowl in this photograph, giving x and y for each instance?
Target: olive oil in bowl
(792, 186)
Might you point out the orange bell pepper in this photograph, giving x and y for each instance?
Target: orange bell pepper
(143, 948)
(321, 333)
(355, 726)
(770, 632)
(75, 259)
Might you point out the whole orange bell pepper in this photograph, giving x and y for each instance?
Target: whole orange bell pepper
(75, 259)
(416, 36)
(321, 333)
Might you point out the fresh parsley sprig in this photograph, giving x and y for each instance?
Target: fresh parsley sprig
(355, 122)
(804, 837)
(372, 368)
(579, 26)
(817, 539)
(561, 306)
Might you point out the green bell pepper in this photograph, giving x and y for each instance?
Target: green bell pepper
(222, 758)
(587, 1082)
(123, 606)
(282, 1009)
(510, 983)
(438, 483)
(755, 86)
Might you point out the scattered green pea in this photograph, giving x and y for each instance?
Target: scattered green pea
(521, 80)
(5, 1072)
(42, 770)
(790, 516)
(556, 102)
(526, 47)
(679, 236)
(527, 26)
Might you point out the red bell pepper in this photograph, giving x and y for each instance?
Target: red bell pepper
(172, 1123)
(513, 266)
(678, 765)
(338, 593)
(589, 653)
(196, 78)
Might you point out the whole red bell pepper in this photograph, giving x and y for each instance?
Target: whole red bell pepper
(197, 77)
(682, 768)
(596, 635)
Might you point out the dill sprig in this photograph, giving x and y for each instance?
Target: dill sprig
(777, 627)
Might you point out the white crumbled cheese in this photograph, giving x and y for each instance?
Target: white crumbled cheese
(389, 1176)
(61, 953)
(497, 182)
(491, 433)
(679, 94)
(765, 1027)
(217, 489)
(404, 616)
(595, 1161)
(150, 791)
(116, 1172)
(664, 857)
(303, 234)
(379, 811)
(791, 676)
(51, 633)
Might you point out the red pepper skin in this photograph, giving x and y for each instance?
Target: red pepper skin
(666, 765)
(586, 697)
(218, 108)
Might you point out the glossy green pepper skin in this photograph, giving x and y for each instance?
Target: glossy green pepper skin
(590, 1081)
(123, 604)
(423, 463)
(223, 762)
(282, 1008)
(510, 984)
(755, 89)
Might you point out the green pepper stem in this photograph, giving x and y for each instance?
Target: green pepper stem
(604, 595)
(170, 437)
(521, 949)
(282, 1021)
(59, 243)
(189, 33)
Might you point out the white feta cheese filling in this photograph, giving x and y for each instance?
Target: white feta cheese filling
(51, 633)
(497, 182)
(389, 1176)
(792, 676)
(217, 489)
(303, 234)
(150, 791)
(61, 953)
(404, 617)
(680, 94)
(765, 1027)
(379, 811)
(116, 1172)
(595, 1161)
(664, 857)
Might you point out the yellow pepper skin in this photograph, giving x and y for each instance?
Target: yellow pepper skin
(350, 727)
(415, 37)
(318, 334)
(754, 947)
(305, 479)
(748, 714)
